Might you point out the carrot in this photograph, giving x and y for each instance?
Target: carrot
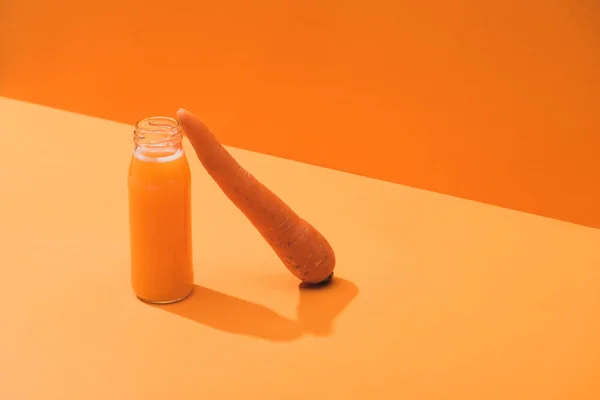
(301, 248)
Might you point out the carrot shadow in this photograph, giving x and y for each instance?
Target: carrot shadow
(319, 305)
(317, 309)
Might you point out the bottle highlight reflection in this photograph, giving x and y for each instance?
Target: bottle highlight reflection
(159, 186)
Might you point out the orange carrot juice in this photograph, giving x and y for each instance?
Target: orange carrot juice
(160, 213)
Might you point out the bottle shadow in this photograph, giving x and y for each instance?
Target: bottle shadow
(318, 306)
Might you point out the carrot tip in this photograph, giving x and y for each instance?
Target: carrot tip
(324, 282)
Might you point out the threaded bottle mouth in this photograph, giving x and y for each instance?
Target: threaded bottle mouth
(157, 132)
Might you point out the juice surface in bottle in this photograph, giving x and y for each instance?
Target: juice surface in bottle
(159, 186)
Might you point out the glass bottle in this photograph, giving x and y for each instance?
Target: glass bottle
(159, 186)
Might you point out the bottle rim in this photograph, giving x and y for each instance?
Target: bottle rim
(157, 130)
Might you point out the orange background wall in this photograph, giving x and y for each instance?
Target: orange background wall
(494, 101)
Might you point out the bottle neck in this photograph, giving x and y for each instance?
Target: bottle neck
(157, 139)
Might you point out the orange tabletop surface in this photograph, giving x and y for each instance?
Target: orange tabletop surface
(435, 297)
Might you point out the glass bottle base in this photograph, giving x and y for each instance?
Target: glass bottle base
(163, 302)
